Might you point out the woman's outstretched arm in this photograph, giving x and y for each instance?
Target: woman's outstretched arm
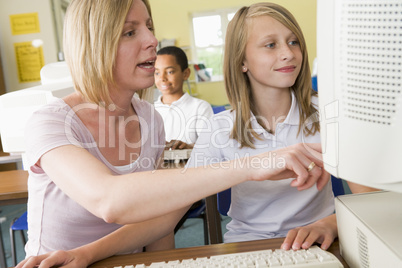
(142, 196)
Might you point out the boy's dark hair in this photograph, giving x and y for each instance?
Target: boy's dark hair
(178, 53)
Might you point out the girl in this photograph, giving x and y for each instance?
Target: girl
(268, 84)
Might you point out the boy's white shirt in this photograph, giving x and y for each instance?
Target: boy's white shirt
(185, 118)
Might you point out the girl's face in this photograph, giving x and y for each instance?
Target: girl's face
(273, 56)
(136, 52)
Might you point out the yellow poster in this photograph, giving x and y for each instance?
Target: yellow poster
(24, 23)
(29, 60)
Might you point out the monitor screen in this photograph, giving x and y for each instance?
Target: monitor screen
(17, 107)
(359, 53)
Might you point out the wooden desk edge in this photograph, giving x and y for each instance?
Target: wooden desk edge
(201, 251)
(17, 193)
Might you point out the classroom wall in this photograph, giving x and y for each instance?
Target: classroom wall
(172, 19)
(7, 39)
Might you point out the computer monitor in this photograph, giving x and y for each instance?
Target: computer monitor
(359, 52)
(17, 107)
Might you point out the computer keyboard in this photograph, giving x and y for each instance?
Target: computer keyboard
(310, 258)
(177, 154)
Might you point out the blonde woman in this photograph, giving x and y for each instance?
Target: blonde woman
(92, 154)
(268, 84)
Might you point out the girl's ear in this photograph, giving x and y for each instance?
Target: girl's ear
(186, 73)
(244, 67)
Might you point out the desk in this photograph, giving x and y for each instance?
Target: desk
(13, 187)
(203, 251)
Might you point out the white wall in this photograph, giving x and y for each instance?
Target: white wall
(7, 40)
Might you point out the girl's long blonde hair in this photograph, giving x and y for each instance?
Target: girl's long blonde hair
(237, 84)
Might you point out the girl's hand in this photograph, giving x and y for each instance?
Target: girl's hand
(323, 231)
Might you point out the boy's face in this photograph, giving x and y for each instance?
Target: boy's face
(168, 75)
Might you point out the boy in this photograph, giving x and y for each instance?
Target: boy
(183, 115)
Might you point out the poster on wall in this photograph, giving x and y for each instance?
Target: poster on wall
(29, 60)
(24, 23)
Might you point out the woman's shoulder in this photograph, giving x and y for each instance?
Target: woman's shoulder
(55, 108)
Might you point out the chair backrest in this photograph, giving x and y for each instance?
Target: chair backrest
(337, 186)
(223, 201)
(218, 109)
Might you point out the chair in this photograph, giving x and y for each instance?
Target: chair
(197, 210)
(219, 204)
(218, 109)
(337, 186)
(18, 224)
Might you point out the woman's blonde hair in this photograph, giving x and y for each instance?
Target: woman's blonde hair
(237, 84)
(92, 30)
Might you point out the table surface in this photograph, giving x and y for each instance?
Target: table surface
(203, 251)
(13, 187)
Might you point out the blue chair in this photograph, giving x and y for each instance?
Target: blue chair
(223, 201)
(218, 109)
(18, 224)
(337, 186)
(314, 83)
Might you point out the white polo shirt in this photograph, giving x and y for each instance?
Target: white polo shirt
(265, 209)
(185, 118)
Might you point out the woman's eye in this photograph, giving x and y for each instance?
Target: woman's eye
(271, 45)
(128, 34)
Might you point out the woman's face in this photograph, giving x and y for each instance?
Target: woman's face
(136, 52)
(273, 56)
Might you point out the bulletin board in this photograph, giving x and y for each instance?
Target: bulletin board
(26, 23)
(29, 61)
